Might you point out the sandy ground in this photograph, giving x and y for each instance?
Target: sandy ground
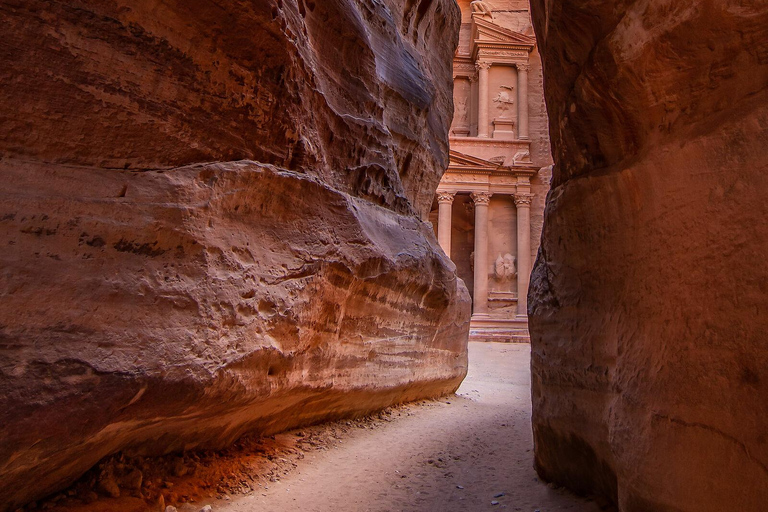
(464, 453)
(469, 452)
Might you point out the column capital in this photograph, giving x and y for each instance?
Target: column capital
(481, 198)
(523, 67)
(523, 199)
(482, 64)
(445, 197)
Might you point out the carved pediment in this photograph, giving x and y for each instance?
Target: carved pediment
(465, 165)
(461, 161)
(485, 31)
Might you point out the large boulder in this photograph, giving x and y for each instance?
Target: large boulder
(210, 215)
(649, 299)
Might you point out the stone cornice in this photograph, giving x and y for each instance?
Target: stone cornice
(500, 45)
(457, 142)
(491, 40)
(502, 56)
(471, 170)
(464, 66)
(494, 32)
(501, 171)
(462, 163)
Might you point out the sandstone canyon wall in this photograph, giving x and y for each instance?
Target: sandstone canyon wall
(210, 221)
(649, 308)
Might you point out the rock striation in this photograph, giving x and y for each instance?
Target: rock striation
(210, 215)
(649, 297)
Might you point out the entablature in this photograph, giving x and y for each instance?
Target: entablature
(464, 66)
(471, 174)
(493, 41)
(501, 56)
(514, 145)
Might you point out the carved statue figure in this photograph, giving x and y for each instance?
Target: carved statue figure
(505, 267)
(461, 111)
(480, 7)
(523, 156)
(504, 99)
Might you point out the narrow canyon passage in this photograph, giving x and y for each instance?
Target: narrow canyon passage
(456, 454)
(225, 221)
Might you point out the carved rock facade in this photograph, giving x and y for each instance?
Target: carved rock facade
(211, 223)
(648, 300)
(500, 148)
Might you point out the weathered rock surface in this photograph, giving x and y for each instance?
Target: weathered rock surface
(649, 298)
(210, 222)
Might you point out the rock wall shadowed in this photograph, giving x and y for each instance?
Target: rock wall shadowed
(210, 220)
(649, 299)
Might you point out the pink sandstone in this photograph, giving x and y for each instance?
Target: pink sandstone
(649, 297)
(211, 223)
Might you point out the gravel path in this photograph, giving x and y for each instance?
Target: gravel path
(464, 453)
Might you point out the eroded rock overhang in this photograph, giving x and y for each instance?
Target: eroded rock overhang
(211, 215)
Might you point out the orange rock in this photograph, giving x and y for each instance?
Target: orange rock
(648, 300)
(210, 216)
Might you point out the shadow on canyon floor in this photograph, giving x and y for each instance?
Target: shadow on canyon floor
(471, 452)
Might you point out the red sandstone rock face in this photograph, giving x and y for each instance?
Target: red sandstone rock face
(649, 297)
(210, 223)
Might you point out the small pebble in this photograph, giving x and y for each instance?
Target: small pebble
(459, 486)
(498, 495)
(207, 508)
(494, 502)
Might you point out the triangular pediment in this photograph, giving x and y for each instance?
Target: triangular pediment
(462, 160)
(486, 31)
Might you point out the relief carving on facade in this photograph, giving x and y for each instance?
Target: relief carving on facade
(462, 112)
(504, 268)
(504, 101)
(522, 156)
(481, 8)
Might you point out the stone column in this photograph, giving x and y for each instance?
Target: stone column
(523, 204)
(471, 104)
(522, 100)
(482, 108)
(480, 299)
(445, 212)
